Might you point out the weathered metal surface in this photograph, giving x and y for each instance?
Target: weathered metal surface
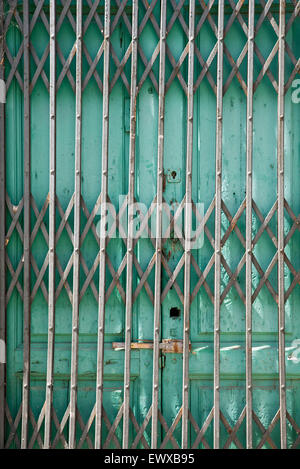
(137, 339)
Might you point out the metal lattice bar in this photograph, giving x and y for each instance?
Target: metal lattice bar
(249, 170)
(102, 260)
(77, 213)
(60, 427)
(280, 194)
(143, 427)
(52, 228)
(130, 240)
(218, 199)
(13, 425)
(158, 247)
(188, 224)
(27, 197)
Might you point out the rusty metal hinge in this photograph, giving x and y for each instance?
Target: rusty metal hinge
(166, 346)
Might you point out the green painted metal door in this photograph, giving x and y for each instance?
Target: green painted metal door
(141, 91)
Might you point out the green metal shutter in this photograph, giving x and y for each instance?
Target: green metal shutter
(151, 121)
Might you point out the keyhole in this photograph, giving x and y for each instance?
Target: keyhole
(174, 312)
(173, 174)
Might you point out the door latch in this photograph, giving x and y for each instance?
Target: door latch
(166, 346)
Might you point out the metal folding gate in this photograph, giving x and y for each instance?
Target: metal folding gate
(149, 236)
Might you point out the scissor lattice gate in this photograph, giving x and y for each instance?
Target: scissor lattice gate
(140, 337)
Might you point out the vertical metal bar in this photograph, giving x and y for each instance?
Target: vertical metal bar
(188, 227)
(130, 202)
(158, 247)
(52, 208)
(280, 195)
(218, 197)
(76, 253)
(26, 299)
(102, 259)
(2, 236)
(249, 154)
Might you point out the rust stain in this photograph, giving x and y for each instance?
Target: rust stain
(232, 225)
(173, 346)
(176, 348)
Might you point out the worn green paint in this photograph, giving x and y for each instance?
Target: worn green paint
(265, 352)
